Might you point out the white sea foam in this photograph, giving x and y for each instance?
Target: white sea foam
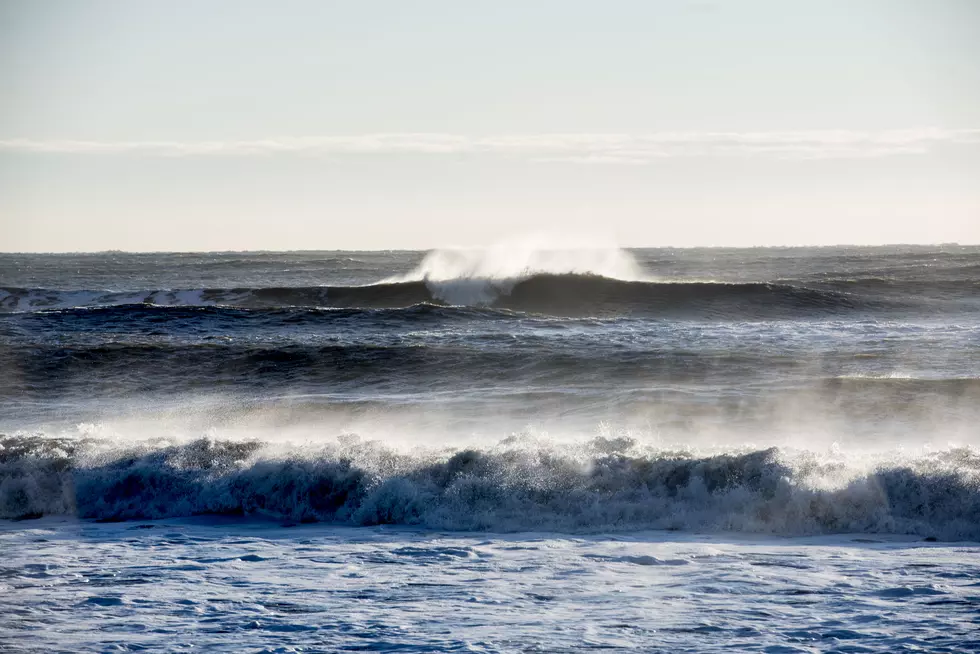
(518, 483)
(227, 585)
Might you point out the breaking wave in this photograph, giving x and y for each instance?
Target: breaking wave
(602, 485)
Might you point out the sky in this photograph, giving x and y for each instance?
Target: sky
(241, 125)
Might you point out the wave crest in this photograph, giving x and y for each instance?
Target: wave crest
(483, 276)
(510, 262)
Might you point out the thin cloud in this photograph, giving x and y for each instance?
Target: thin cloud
(586, 148)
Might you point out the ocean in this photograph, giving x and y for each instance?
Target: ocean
(504, 450)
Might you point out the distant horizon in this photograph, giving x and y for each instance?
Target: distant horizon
(478, 248)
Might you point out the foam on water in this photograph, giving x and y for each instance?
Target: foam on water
(228, 585)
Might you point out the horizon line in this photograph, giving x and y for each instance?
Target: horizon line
(477, 247)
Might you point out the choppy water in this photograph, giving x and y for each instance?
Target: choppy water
(467, 451)
(187, 586)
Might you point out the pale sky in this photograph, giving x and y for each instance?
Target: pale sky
(229, 124)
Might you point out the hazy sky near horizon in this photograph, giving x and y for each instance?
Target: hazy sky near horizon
(224, 125)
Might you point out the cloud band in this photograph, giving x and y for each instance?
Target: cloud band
(573, 148)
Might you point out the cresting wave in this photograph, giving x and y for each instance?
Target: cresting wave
(568, 294)
(605, 484)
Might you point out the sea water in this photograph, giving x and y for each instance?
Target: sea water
(508, 450)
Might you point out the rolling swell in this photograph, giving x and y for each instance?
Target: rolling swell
(127, 368)
(562, 295)
(606, 484)
(566, 294)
